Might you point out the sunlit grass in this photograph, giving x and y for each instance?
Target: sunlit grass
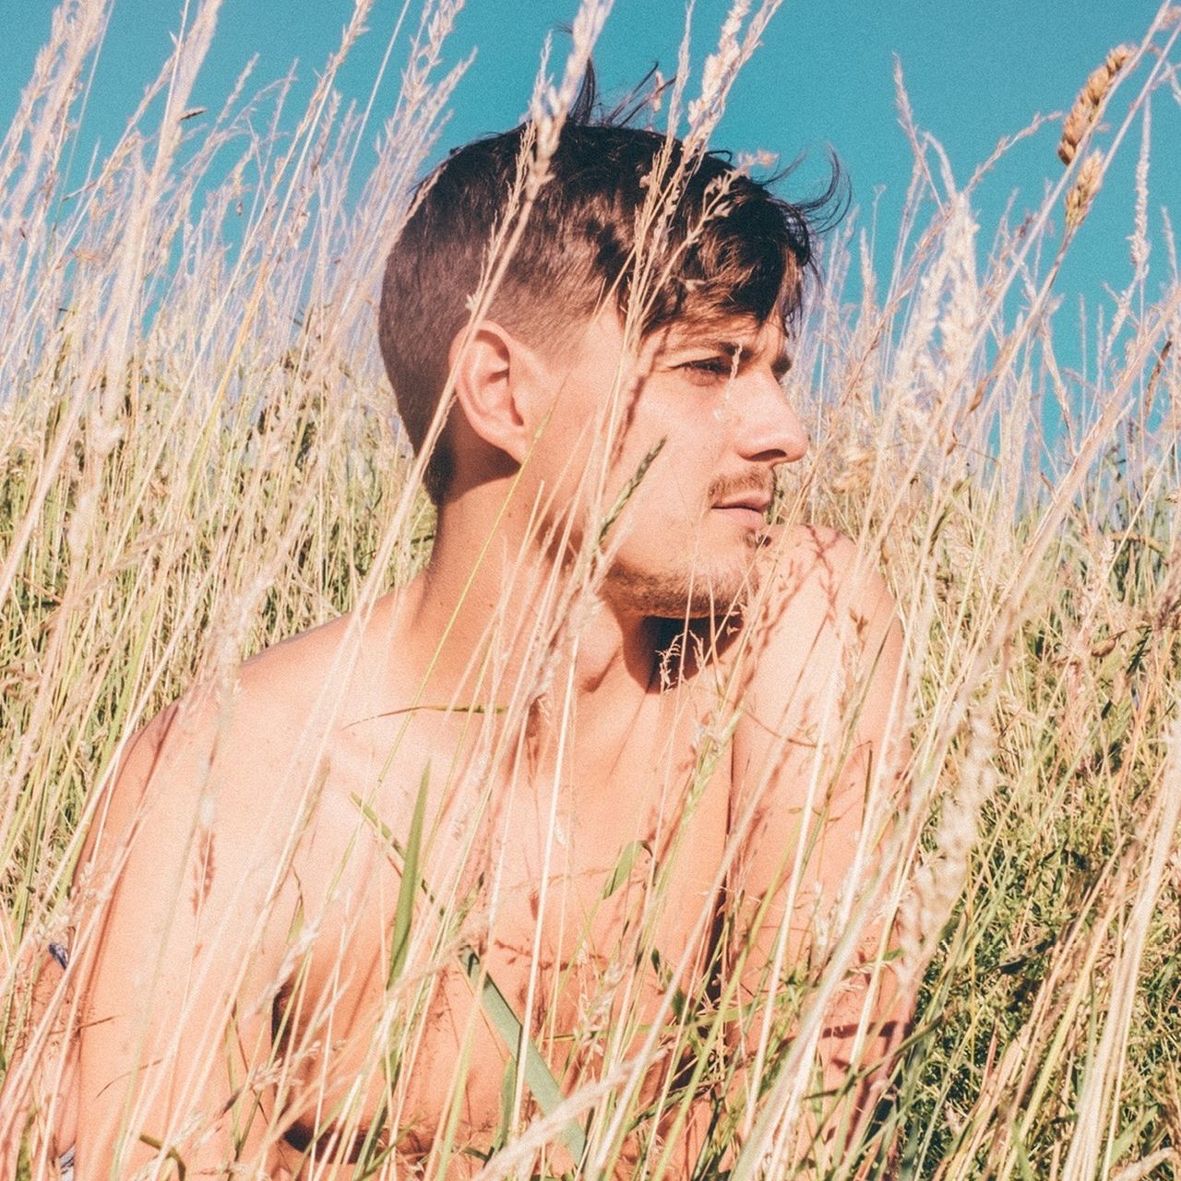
(200, 458)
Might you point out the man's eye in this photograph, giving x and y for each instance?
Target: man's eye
(710, 367)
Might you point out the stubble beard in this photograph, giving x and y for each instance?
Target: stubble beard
(696, 591)
(686, 590)
(690, 593)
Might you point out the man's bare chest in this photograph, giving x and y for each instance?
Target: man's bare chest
(570, 906)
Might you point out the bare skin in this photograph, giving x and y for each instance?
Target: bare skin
(235, 992)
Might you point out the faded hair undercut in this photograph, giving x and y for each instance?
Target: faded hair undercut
(726, 247)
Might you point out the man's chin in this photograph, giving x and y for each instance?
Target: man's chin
(693, 596)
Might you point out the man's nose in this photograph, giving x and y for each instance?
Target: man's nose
(769, 429)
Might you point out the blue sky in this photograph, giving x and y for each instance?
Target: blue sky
(823, 77)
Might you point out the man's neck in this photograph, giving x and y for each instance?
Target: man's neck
(492, 601)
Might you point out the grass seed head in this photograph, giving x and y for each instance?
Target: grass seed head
(1086, 185)
(939, 880)
(1086, 107)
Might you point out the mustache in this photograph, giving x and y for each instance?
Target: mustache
(725, 488)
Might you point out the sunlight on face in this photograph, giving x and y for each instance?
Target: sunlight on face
(689, 429)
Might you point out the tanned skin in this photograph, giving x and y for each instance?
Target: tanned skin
(214, 897)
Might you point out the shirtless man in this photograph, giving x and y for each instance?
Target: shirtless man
(599, 771)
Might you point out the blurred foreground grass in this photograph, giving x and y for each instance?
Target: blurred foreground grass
(199, 458)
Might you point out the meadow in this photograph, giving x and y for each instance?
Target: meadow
(200, 458)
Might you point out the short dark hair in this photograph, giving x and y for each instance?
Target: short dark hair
(735, 250)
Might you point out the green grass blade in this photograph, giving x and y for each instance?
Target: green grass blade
(623, 867)
(404, 911)
(538, 1078)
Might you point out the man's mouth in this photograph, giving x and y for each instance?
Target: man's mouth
(743, 498)
(749, 511)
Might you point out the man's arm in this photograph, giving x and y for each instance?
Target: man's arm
(178, 958)
(38, 1100)
(818, 761)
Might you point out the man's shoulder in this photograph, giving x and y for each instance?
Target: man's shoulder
(822, 658)
(814, 571)
(244, 701)
(821, 601)
(231, 732)
(802, 550)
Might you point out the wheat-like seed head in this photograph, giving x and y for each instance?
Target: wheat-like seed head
(1086, 107)
(1082, 193)
(940, 879)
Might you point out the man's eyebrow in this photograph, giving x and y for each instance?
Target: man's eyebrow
(780, 366)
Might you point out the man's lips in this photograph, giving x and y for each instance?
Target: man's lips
(760, 504)
(750, 511)
(743, 498)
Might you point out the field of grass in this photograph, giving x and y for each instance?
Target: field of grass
(200, 457)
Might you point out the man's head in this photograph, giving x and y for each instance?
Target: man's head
(728, 249)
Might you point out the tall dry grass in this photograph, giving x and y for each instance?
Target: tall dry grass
(200, 458)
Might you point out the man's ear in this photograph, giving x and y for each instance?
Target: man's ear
(493, 370)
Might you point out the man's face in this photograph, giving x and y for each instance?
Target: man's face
(710, 399)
